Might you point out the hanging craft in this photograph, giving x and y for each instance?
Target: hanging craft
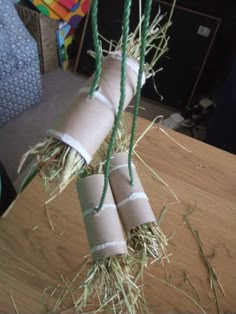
(110, 282)
(111, 274)
(77, 134)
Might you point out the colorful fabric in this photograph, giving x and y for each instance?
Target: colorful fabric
(71, 11)
(20, 80)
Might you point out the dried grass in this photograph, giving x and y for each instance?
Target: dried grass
(213, 278)
(182, 293)
(109, 287)
(56, 163)
(14, 304)
(111, 281)
(157, 42)
(148, 240)
(110, 284)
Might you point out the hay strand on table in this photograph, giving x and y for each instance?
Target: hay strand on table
(14, 304)
(213, 277)
(186, 296)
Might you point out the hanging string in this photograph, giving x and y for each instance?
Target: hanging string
(125, 37)
(145, 28)
(97, 48)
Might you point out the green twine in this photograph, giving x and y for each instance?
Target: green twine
(145, 28)
(125, 37)
(97, 48)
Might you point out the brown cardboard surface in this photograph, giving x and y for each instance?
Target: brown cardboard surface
(110, 81)
(103, 227)
(81, 122)
(88, 121)
(135, 211)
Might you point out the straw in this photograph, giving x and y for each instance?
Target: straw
(109, 284)
(180, 292)
(157, 43)
(213, 278)
(14, 304)
(55, 161)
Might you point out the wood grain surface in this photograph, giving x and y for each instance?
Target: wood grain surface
(32, 256)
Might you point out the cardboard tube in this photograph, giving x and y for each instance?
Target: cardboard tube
(103, 229)
(134, 209)
(84, 126)
(87, 122)
(110, 81)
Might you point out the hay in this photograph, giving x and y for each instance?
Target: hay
(157, 42)
(110, 286)
(111, 281)
(213, 277)
(55, 161)
(14, 304)
(148, 240)
(182, 293)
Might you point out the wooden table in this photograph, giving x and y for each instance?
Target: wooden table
(32, 256)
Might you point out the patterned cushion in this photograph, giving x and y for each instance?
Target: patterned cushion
(20, 81)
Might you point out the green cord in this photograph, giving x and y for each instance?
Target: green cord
(97, 48)
(125, 35)
(145, 27)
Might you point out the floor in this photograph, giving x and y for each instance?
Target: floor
(59, 88)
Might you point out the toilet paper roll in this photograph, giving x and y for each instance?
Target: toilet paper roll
(87, 122)
(131, 201)
(104, 228)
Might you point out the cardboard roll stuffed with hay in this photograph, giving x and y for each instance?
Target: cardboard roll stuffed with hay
(110, 273)
(76, 135)
(113, 281)
(110, 281)
(145, 237)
